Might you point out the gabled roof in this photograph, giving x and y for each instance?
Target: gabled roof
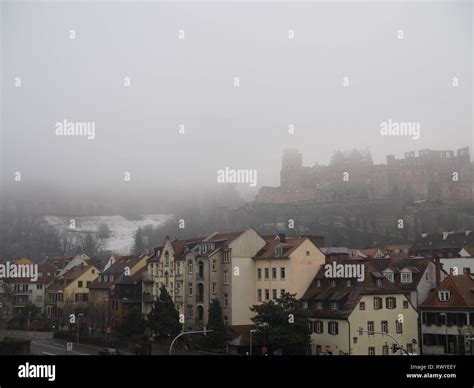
(68, 277)
(349, 295)
(269, 250)
(462, 293)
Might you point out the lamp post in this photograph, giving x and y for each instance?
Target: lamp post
(78, 324)
(252, 332)
(446, 330)
(186, 333)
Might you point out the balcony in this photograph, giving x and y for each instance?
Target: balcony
(147, 298)
(148, 279)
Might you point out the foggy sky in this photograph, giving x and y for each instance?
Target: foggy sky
(190, 82)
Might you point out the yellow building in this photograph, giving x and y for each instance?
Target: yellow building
(69, 293)
(286, 264)
(365, 314)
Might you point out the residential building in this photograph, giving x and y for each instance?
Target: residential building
(69, 293)
(286, 264)
(380, 303)
(448, 317)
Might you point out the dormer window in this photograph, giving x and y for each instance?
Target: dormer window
(318, 283)
(278, 250)
(333, 283)
(348, 283)
(334, 305)
(305, 304)
(319, 304)
(444, 295)
(379, 282)
(406, 277)
(389, 276)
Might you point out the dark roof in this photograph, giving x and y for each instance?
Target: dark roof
(348, 296)
(443, 241)
(68, 277)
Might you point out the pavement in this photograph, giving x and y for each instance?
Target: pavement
(45, 345)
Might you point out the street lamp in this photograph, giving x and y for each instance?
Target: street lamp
(446, 330)
(78, 323)
(253, 331)
(186, 333)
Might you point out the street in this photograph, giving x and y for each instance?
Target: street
(45, 345)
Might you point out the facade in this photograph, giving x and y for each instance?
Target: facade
(64, 264)
(434, 175)
(286, 264)
(69, 293)
(25, 291)
(448, 317)
(385, 301)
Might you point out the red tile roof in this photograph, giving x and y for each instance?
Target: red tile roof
(462, 293)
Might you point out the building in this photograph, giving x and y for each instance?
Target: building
(115, 291)
(383, 302)
(64, 264)
(434, 175)
(69, 293)
(448, 317)
(25, 291)
(446, 244)
(286, 264)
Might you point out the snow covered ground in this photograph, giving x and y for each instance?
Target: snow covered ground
(121, 229)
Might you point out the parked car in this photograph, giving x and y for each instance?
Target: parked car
(109, 352)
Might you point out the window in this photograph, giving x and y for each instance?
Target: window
(190, 288)
(362, 306)
(190, 310)
(406, 277)
(333, 328)
(267, 294)
(390, 303)
(405, 304)
(399, 327)
(333, 283)
(274, 294)
(226, 256)
(226, 300)
(226, 277)
(278, 250)
(466, 271)
(379, 282)
(305, 304)
(384, 327)
(348, 283)
(259, 274)
(214, 265)
(377, 303)
(318, 283)
(190, 267)
(333, 305)
(444, 295)
(371, 351)
(307, 253)
(283, 291)
(319, 304)
(259, 294)
(354, 340)
(79, 284)
(39, 286)
(282, 273)
(370, 327)
(274, 273)
(266, 273)
(318, 327)
(385, 350)
(389, 276)
(214, 284)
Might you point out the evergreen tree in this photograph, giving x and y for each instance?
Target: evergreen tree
(163, 319)
(216, 340)
(282, 325)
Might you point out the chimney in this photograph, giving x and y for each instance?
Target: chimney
(282, 237)
(437, 271)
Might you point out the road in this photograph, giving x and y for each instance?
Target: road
(45, 345)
